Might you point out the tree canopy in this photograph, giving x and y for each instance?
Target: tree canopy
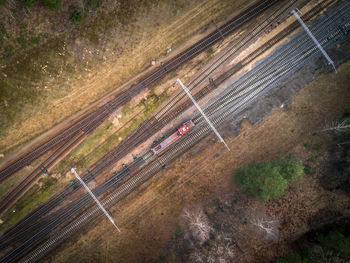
(270, 179)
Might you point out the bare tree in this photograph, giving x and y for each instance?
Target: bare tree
(219, 250)
(266, 226)
(337, 126)
(198, 224)
(197, 257)
(342, 143)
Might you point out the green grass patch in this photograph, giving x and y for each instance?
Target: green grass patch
(77, 16)
(105, 138)
(51, 4)
(84, 148)
(9, 183)
(22, 41)
(209, 52)
(316, 147)
(36, 195)
(9, 51)
(28, 3)
(307, 169)
(312, 158)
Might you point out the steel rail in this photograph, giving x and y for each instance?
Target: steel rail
(283, 73)
(25, 160)
(186, 104)
(241, 43)
(124, 189)
(221, 60)
(13, 194)
(267, 65)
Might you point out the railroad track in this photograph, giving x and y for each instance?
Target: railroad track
(141, 134)
(158, 73)
(152, 168)
(10, 235)
(89, 174)
(76, 133)
(281, 67)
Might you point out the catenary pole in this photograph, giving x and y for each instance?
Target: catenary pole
(94, 197)
(330, 61)
(201, 111)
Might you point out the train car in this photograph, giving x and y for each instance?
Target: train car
(180, 131)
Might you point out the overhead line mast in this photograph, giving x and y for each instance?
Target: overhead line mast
(203, 114)
(94, 197)
(330, 61)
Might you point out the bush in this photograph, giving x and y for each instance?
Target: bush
(77, 16)
(268, 180)
(333, 247)
(336, 242)
(28, 3)
(291, 169)
(293, 257)
(52, 4)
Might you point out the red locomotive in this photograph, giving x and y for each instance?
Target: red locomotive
(180, 131)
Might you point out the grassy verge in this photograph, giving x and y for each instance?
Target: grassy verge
(35, 196)
(101, 141)
(106, 137)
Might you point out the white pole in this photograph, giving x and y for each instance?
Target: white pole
(200, 110)
(94, 197)
(330, 61)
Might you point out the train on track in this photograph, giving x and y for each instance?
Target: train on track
(173, 137)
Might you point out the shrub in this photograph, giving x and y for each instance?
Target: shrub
(307, 169)
(28, 3)
(52, 4)
(9, 52)
(336, 242)
(291, 169)
(293, 257)
(333, 247)
(270, 179)
(77, 16)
